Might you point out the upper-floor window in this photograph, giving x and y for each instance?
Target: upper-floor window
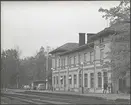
(91, 56)
(64, 62)
(85, 57)
(101, 39)
(74, 59)
(59, 63)
(70, 61)
(57, 80)
(55, 62)
(101, 54)
(80, 58)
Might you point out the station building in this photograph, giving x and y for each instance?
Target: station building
(82, 66)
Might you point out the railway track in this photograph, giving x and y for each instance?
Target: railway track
(29, 99)
(32, 97)
(68, 99)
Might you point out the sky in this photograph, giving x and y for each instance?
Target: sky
(32, 24)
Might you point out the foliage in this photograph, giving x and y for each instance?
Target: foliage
(23, 71)
(120, 47)
(118, 13)
(10, 64)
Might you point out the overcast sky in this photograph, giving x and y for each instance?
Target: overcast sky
(32, 24)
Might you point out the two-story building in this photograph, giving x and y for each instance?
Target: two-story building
(81, 66)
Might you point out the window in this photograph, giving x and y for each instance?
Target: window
(101, 54)
(80, 80)
(59, 62)
(92, 80)
(91, 56)
(80, 59)
(85, 57)
(64, 80)
(70, 79)
(54, 80)
(53, 63)
(64, 62)
(88, 56)
(61, 80)
(99, 80)
(57, 80)
(105, 77)
(86, 79)
(70, 60)
(74, 59)
(75, 79)
(56, 63)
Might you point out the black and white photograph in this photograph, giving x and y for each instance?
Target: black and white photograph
(65, 52)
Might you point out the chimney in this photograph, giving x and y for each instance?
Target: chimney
(89, 35)
(81, 39)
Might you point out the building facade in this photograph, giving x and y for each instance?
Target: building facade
(82, 67)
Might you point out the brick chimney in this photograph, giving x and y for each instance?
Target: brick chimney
(89, 35)
(81, 39)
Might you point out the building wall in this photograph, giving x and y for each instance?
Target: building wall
(88, 68)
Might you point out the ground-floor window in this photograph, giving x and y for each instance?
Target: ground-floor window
(54, 80)
(61, 80)
(80, 80)
(92, 80)
(70, 79)
(105, 77)
(75, 77)
(57, 80)
(64, 80)
(99, 80)
(85, 79)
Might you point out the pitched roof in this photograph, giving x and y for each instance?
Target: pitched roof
(88, 45)
(65, 47)
(115, 28)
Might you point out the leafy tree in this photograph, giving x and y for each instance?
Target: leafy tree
(10, 66)
(118, 13)
(120, 41)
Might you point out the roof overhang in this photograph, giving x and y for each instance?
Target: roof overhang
(89, 45)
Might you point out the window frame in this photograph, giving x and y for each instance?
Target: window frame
(85, 80)
(99, 75)
(75, 79)
(85, 57)
(91, 56)
(105, 77)
(92, 80)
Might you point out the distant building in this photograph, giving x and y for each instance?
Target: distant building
(71, 58)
